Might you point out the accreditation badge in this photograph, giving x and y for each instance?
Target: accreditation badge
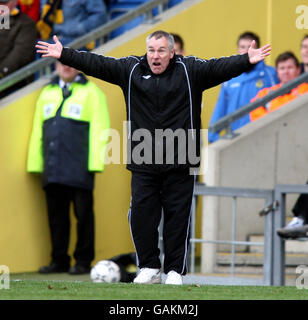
(48, 109)
(74, 110)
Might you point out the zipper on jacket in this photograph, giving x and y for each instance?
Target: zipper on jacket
(56, 119)
(157, 81)
(158, 108)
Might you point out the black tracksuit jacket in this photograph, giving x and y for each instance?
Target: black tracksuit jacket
(171, 100)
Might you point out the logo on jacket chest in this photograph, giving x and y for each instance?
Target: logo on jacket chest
(259, 83)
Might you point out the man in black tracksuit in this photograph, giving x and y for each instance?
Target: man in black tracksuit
(163, 93)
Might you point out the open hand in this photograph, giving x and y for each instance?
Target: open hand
(49, 49)
(258, 54)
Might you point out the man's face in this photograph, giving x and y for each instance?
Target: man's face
(243, 45)
(287, 70)
(67, 74)
(304, 51)
(159, 54)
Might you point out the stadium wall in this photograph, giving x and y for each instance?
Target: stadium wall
(210, 29)
(272, 150)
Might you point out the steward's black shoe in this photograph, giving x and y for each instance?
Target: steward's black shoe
(79, 269)
(53, 268)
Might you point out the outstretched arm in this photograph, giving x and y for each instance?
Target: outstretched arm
(105, 68)
(49, 49)
(215, 71)
(258, 54)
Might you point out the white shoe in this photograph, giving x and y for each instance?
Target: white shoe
(148, 276)
(174, 278)
(296, 222)
(295, 229)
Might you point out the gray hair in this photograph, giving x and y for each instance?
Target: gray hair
(162, 34)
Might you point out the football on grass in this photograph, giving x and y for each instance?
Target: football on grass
(105, 271)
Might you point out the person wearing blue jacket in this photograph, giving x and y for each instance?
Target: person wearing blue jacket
(70, 19)
(238, 91)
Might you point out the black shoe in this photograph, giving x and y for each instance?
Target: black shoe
(79, 269)
(53, 268)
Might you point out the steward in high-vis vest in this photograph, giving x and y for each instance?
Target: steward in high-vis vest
(67, 145)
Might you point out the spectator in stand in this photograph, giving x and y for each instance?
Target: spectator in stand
(298, 226)
(31, 8)
(288, 68)
(178, 44)
(238, 92)
(70, 19)
(16, 49)
(304, 54)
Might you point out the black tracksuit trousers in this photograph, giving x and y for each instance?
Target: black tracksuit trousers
(301, 207)
(58, 199)
(169, 192)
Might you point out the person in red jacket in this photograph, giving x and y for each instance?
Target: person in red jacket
(288, 68)
(31, 8)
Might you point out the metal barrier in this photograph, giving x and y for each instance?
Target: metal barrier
(279, 221)
(274, 246)
(203, 190)
(225, 122)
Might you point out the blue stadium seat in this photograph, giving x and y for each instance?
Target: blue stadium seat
(172, 3)
(116, 10)
(119, 7)
(128, 1)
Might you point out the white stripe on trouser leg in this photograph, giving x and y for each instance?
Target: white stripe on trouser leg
(131, 231)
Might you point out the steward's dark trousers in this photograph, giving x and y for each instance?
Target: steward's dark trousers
(171, 191)
(301, 207)
(58, 199)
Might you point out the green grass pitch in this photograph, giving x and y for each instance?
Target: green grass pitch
(39, 287)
